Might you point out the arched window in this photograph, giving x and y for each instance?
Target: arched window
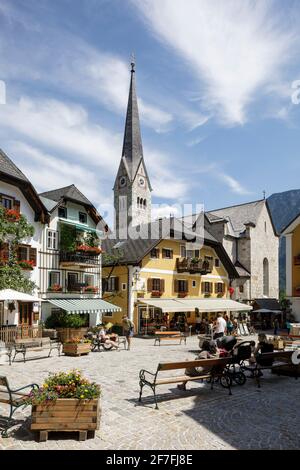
(145, 203)
(266, 277)
(138, 202)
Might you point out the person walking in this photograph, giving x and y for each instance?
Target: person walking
(128, 330)
(276, 326)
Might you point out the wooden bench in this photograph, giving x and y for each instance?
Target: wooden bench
(273, 361)
(5, 351)
(169, 335)
(13, 398)
(214, 370)
(21, 346)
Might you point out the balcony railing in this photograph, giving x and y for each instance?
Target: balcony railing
(78, 258)
(193, 266)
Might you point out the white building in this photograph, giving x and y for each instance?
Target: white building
(18, 194)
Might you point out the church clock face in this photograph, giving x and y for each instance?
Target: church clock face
(122, 181)
(142, 181)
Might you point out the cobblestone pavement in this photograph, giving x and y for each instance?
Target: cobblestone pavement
(199, 418)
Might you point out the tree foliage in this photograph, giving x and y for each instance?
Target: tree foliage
(14, 231)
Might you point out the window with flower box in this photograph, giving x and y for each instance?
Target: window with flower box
(27, 254)
(156, 286)
(54, 279)
(219, 288)
(207, 288)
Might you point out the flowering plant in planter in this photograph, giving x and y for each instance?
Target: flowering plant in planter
(91, 289)
(78, 341)
(55, 288)
(89, 249)
(26, 264)
(12, 215)
(64, 385)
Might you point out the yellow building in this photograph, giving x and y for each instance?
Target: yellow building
(167, 280)
(292, 236)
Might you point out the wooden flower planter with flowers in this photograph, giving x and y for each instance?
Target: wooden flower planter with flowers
(66, 414)
(65, 402)
(76, 349)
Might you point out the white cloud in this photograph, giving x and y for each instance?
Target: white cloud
(65, 128)
(88, 154)
(233, 184)
(235, 48)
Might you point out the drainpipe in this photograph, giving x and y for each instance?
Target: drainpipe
(130, 298)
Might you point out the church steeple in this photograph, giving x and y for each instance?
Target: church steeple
(132, 143)
(132, 189)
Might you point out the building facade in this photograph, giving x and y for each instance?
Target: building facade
(18, 195)
(70, 254)
(292, 236)
(155, 278)
(249, 237)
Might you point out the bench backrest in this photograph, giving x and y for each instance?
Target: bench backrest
(167, 333)
(45, 341)
(29, 341)
(207, 363)
(265, 358)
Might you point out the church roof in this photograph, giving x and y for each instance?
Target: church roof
(132, 144)
(239, 215)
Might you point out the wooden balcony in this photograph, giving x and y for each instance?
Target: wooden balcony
(78, 259)
(192, 266)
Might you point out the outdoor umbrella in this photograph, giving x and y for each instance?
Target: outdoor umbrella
(10, 294)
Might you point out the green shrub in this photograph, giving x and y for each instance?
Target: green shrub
(65, 320)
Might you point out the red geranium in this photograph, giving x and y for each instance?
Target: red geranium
(12, 214)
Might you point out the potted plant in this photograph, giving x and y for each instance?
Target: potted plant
(55, 288)
(93, 250)
(195, 260)
(26, 264)
(77, 347)
(65, 402)
(12, 215)
(91, 289)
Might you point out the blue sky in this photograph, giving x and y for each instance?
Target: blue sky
(214, 80)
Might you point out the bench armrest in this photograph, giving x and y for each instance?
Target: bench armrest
(32, 386)
(143, 373)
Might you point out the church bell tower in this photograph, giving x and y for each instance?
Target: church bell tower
(132, 188)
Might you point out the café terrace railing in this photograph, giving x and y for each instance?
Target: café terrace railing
(9, 333)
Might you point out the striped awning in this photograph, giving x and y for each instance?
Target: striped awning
(84, 305)
(202, 304)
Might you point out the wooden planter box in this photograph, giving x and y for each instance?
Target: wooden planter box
(65, 334)
(71, 349)
(66, 414)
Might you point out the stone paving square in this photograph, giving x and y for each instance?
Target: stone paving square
(252, 418)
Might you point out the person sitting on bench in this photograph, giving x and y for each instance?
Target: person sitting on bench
(104, 338)
(208, 351)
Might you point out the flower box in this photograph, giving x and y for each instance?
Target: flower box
(27, 265)
(66, 401)
(12, 215)
(91, 290)
(55, 288)
(91, 250)
(76, 349)
(66, 414)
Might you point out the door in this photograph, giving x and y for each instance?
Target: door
(25, 313)
(73, 282)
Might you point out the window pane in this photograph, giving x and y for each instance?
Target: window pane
(82, 217)
(54, 278)
(182, 251)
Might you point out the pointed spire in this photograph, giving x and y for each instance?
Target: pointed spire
(132, 144)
